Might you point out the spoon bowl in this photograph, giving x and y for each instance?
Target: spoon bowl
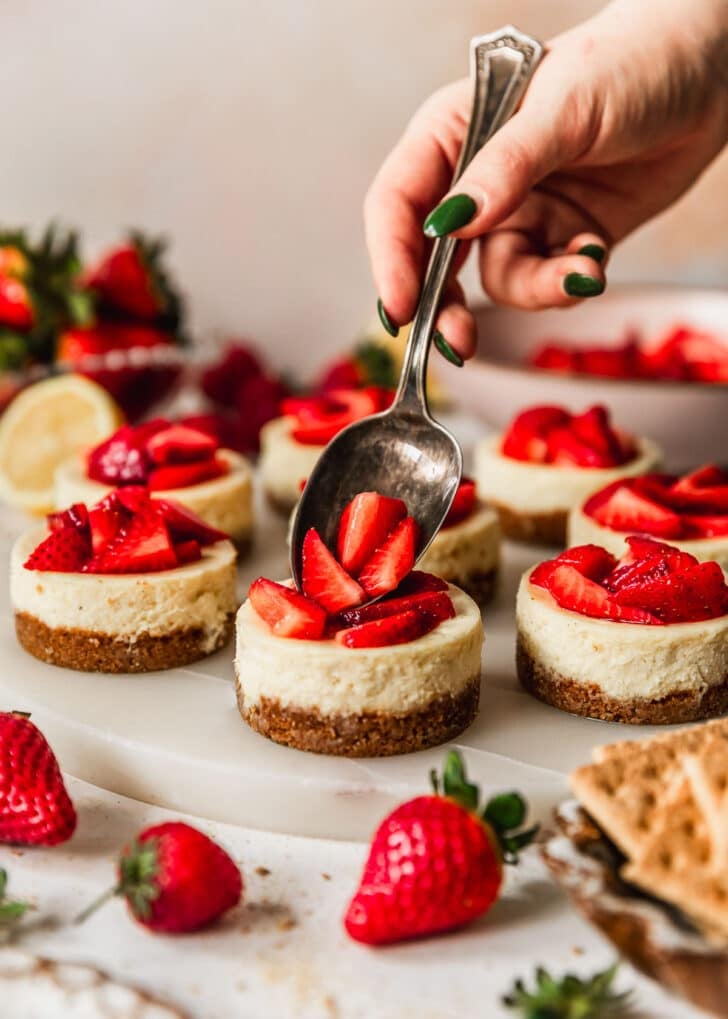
(400, 454)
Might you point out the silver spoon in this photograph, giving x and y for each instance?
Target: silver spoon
(404, 452)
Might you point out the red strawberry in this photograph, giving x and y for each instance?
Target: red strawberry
(554, 357)
(621, 362)
(705, 526)
(167, 479)
(591, 561)
(577, 593)
(122, 459)
(16, 307)
(287, 613)
(324, 580)
(436, 862)
(258, 401)
(35, 808)
(526, 437)
(398, 629)
(463, 504)
(391, 563)
(75, 516)
(621, 508)
(417, 582)
(175, 879)
(105, 520)
(141, 546)
(365, 524)
(704, 489)
(189, 551)
(222, 380)
(180, 444)
(184, 525)
(594, 428)
(436, 604)
(688, 595)
(63, 551)
(319, 419)
(129, 280)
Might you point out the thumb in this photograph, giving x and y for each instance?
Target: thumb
(526, 149)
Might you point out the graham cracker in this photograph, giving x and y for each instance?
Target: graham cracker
(707, 772)
(682, 740)
(676, 864)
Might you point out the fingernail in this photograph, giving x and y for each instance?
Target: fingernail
(446, 350)
(391, 327)
(452, 214)
(595, 251)
(577, 284)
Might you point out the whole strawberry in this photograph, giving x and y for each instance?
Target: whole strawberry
(35, 808)
(436, 863)
(175, 879)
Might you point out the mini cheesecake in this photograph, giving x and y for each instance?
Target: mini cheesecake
(158, 592)
(549, 461)
(321, 696)
(291, 445)
(176, 462)
(642, 640)
(466, 550)
(331, 671)
(690, 512)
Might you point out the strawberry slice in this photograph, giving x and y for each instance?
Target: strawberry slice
(688, 595)
(432, 603)
(591, 561)
(106, 520)
(391, 563)
(324, 580)
(65, 550)
(75, 516)
(566, 449)
(319, 419)
(286, 612)
(399, 629)
(573, 591)
(122, 458)
(463, 504)
(187, 551)
(705, 526)
(642, 548)
(418, 581)
(180, 444)
(705, 489)
(526, 437)
(365, 524)
(623, 509)
(174, 476)
(594, 428)
(130, 498)
(184, 525)
(143, 545)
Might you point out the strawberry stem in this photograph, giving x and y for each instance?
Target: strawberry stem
(10, 912)
(100, 901)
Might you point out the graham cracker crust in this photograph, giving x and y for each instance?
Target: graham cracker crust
(533, 528)
(87, 651)
(369, 734)
(589, 700)
(480, 586)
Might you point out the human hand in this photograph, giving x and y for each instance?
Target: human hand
(619, 120)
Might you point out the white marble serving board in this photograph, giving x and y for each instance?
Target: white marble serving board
(176, 739)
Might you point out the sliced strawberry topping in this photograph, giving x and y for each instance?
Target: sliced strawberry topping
(399, 629)
(324, 580)
(552, 435)
(65, 550)
(391, 563)
(120, 460)
(142, 546)
(463, 504)
(590, 560)
(652, 583)
(187, 551)
(695, 506)
(174, 476)
(184, 525)
(105, 520)
(180, 444)
(74, 516)
(287, 613)
(418, 581)
(431, 603)
(624, 509)
(320, 418)
(365, 524)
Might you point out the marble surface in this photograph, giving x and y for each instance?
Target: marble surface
(284, 953)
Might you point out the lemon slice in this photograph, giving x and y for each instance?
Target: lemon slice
(47, 423)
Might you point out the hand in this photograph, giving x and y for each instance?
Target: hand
(619, 120)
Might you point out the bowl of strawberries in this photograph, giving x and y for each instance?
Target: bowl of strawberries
(657, 356)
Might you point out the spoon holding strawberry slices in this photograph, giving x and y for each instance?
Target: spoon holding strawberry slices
(403, 453)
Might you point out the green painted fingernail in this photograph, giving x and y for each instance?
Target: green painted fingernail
(595, 251)
(446, 350)
(452, 214)
(577, 284)
(391, 327)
